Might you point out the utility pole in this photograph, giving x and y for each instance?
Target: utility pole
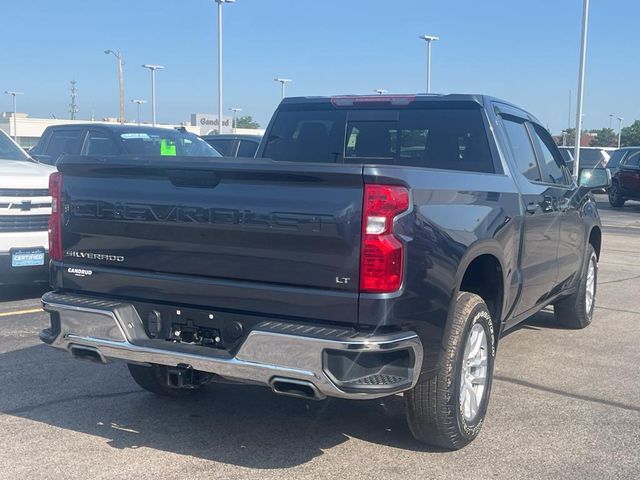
(139, 103)
(235, 117)
(120, 81)
(220, 2)
(282, 83)
(610, 120)
(583, 60)
(620, 119)
(73, 106)
(429, 39)
(15, 114)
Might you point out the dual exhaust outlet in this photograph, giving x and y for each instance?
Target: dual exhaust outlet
(280, 385)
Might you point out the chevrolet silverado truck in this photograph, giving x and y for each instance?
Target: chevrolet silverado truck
(25, 206)
(376, 245)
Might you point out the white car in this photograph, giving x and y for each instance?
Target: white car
(25, 207)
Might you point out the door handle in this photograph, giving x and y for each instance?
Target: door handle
(532, 208)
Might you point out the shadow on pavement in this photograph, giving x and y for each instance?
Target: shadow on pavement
(242, 425)
(12, 293)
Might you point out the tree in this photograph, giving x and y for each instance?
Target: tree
(630, 136)
(247, 121)
(605, 137)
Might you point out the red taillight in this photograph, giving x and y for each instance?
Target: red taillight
(55, 221)
(382, 254)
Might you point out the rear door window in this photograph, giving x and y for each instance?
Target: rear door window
(633, 160)
(64, 142)
(247, 148)
(99, 143)
(223, 145)
(521, 147)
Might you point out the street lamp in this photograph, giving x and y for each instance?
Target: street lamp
(380, 91)
(220, 2)
(235, 111)
(15, 111)
(583, 59)
(282, 82)
(610, 119)
(120, 81)
(153, 69)
(429, 39)
(139, 103)
(620, 119)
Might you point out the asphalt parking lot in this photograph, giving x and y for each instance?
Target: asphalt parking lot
(565, 404)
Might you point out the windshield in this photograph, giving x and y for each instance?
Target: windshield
(10, 151)
(169, 143)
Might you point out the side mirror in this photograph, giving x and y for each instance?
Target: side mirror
(595, 178)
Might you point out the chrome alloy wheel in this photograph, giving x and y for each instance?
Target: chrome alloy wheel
(473, 377)
(589, 298)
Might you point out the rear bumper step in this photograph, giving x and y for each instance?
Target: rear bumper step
(309, 361)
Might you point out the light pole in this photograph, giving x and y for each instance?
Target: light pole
(620, 119)
(610, 119)
(583, 60)
(282, 82)
(235, 111)
(120, 81)
(15, 112)
(153, 69)
(380, 91)
(139, 103)
(429, 39)
(220, 2)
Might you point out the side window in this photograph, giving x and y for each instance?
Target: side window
(64, 142)
(247, 148)
(552, 163)
(99, 143)
(633, 160)
(223, 145)
(521, 148)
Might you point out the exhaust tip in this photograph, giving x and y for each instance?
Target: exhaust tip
(86, 353)
(295, 388)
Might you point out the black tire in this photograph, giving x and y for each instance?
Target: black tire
(434, 407)
(572, 311)
(615, 197)
(154, 379)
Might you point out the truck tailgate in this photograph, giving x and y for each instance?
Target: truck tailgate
(256, 222)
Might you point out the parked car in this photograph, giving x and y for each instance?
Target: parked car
(234, 145)
(25, 206)
(375, 245)
(590, 157)
(617, 156)
(626, 176)
(116, 139)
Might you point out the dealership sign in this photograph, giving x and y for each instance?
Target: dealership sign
(208, 122)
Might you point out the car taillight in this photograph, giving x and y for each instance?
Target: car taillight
(382, 254)
(55, 221)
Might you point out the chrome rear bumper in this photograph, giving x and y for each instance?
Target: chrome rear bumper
(272, 353)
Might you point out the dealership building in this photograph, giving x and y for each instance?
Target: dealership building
(28, 130)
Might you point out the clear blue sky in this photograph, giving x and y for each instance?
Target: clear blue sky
(523, 51)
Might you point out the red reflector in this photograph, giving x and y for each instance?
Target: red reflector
(55, 220)
(382, 253)
(351, 100)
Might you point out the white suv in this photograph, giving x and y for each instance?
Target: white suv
(25, 207)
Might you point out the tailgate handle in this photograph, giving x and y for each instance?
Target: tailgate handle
(193, 178)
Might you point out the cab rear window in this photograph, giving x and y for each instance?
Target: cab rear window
(453, 139)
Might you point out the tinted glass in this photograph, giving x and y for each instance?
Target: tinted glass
(247, 148)
(522, 149)
(100, 144)
(164, 142)
(307, 136)
(633, 160)
(616, 156)
(591, 158)
(9, 150)
(551, 160)
(223, 145)
(64, 142)
(433, 138)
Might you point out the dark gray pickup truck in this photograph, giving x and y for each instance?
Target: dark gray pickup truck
(375, 245)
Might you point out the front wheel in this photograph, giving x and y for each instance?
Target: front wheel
(448, 410)
(615, 196)
(576, 310)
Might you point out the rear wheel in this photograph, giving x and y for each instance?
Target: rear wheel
(155, 379)
(448, 409)
(576, 311)
(615, 196)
